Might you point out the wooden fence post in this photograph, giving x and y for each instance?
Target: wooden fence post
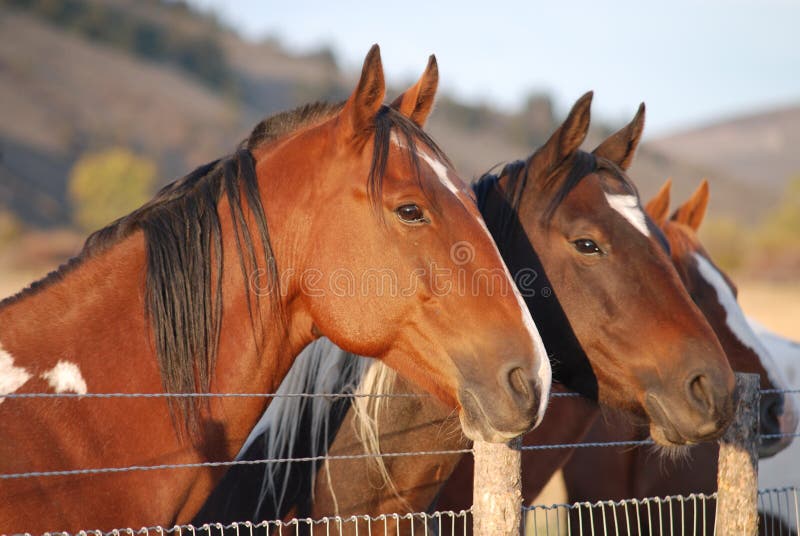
(737, 476)
(497, 489)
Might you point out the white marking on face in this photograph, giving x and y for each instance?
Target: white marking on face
(438, 168)
(11, 377)
(66, 377)
(544, 371)
(628, 206)
(441, 172)
(740, 327)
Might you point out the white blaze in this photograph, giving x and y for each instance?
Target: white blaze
(740, 327)
(65, 377)
(628, 206)
(441, 172)
(439, 169)
(11, 377)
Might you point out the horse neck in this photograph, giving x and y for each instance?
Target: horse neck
(93, 317)
(78, 317)
(87, 332)
(570, 366)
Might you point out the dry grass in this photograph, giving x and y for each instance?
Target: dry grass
(774, 305)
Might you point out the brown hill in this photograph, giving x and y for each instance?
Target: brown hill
(759, 150)
(64, 91)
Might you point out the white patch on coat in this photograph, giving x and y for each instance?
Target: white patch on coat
(11, 377)
(66, 377)
(628, 206)
(740, 327)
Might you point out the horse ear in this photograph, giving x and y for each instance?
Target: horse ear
(565, 140)
(417, 101)
(621, 146)
(658, 207)
(693, 211)
(360, 109)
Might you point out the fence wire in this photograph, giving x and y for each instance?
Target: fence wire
(692, 514)
(677, 515)
(684, 515)
(102, 470)
(417, 523)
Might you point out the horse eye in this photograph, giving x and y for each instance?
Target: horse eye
(410, 213)
(586, 246)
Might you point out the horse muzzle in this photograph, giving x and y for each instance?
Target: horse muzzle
(777, 420)
(498, 418)
(700, 412)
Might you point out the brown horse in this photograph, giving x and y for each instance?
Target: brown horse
(633, 473)
(218, 283)
(581, 214)
(612, 473)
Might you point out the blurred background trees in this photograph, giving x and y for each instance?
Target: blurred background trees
(106, 185)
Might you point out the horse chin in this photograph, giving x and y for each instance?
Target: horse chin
(476, 426)
(480, 430)
(786, 424)
(769, 448)
(666, 448)
(666, 436)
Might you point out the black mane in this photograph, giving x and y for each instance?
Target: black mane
(181, 226)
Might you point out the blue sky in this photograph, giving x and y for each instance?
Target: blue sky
(692, 62)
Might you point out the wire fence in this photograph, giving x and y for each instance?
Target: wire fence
(691, 514)
(331, 396)
(684, 515)
(421, 523)
(677, 515)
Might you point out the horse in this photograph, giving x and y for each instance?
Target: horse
(568, 421)
(618, 475)
(581, 213)
(783, 470)
(215, 286)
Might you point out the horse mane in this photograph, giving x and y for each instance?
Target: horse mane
(300, 427)
(183, 241)
(321, 368)
(378, 379)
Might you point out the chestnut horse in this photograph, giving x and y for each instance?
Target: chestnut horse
(633, 473)
(218, 283)
(582, 213)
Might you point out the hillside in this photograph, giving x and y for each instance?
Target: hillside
(67, 88)
(757, 150)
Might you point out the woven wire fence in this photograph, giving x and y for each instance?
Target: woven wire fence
(692, 514)
(684, 515)
(436, 523)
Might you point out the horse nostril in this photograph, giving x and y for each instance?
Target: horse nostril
(771, 412)
(700, 393)
(519, 383)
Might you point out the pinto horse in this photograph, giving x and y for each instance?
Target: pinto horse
(581, 214)
(631, 473)
(218, 283)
